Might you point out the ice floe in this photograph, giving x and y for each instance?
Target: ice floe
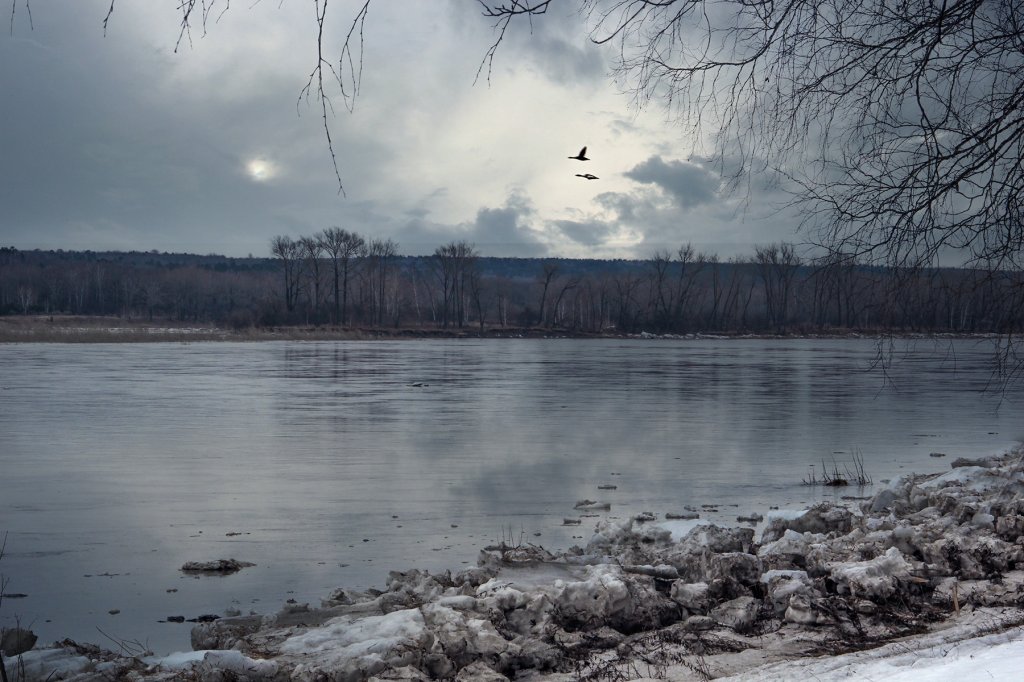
(931, 563)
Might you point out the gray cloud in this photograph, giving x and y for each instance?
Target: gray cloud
(117, 142)
(688, 183)
(501, 231)
(555, 46)
(505, 231)
(586, 233)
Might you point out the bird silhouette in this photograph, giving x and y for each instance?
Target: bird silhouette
(588, 176)
(582, 156)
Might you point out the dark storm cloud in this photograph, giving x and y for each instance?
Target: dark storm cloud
(689, 184)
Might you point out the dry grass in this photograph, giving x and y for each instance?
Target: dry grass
(96, 329)
(75, 329)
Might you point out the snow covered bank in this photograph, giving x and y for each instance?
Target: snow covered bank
(933, 564)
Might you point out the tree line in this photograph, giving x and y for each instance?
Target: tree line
(340, 278)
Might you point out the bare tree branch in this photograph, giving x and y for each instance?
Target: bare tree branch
(503, 14)
(14, 10)
(348, 75)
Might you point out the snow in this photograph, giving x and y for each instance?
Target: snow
(233, 661)
(179, 660)
(46, 663)
(347, 638)
(936, 657)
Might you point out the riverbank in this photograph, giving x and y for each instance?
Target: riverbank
(100, 329)
(926, 574)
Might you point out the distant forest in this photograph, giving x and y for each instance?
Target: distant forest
(338, 278)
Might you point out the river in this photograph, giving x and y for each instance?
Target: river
(328, 464)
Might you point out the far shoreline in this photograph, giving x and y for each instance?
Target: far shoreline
(109, 329)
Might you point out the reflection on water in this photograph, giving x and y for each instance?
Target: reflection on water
(332, 463)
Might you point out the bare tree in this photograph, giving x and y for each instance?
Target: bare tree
(343, 247)
(379, 254)
(549, 271)
(777, 264)
(455, 268)
(288, 251)
(312, 251)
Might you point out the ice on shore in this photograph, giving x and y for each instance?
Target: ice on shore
(925, 556)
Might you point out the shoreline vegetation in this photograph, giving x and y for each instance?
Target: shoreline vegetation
(926, 574)
(369, 289)
(110, 329)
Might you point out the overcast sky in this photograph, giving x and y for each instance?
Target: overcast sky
(118, 142)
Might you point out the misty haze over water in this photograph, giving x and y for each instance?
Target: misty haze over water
(331, 463)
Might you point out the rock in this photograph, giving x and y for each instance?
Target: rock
(614, 536)
(876, 579)
(699, 623)
(1010, 527)
(821, 518)
(601, 597)
(738, 567)
(783, 586)
(16, 641)
(961, 462)
(223, 633)
(789, 551)
(217, 566)
(712, 539)
(591, 505)
(693, 597)
(464, 639)
(661, 571)
(882, 500)
(803, 610)
(983, 520)
(479, 672)
(740, 614)
(406, 673)
(345, 597)
(684, 516)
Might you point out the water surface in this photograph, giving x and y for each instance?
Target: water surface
(331, 463)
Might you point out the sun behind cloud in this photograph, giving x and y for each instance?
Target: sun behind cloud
(260, 169)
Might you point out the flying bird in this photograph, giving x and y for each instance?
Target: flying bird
(588, 176)
(582, 156)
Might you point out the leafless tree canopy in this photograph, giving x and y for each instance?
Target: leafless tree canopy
(898, 123)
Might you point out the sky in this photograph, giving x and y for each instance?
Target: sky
(115, 140)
